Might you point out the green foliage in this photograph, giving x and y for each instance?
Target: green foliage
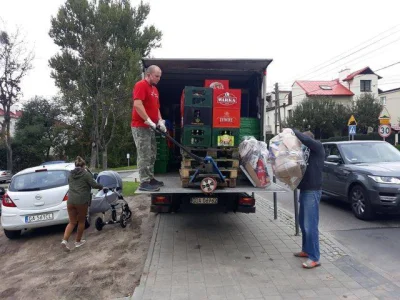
(101, 44)
(366, 110)
(327, 118)
(41, 127)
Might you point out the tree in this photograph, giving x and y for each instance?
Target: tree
(41, 127)
(101, 44)
(15, 62)
(366, 110)
(322, 115)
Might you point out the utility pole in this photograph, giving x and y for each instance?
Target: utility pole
(277, 110)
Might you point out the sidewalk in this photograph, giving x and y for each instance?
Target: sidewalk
(238, 256)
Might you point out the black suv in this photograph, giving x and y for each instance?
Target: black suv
(364, 173)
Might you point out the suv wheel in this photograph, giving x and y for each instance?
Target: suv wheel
(360, 204)
(12, 234)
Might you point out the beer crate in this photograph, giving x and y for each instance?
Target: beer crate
(197, 96)
(227, 98)
(200, 116)
(196, 136)
(225, 137)
(226, 118)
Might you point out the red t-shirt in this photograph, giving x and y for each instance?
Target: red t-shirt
(149, 96)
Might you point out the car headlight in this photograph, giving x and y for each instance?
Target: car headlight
(385, 179)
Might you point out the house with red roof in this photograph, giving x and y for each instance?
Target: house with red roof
(15, 115)
(344, 90)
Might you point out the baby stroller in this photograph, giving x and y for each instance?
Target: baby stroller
(110, 198)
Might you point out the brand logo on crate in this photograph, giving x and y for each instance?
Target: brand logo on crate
(227, 99)
(226, 118)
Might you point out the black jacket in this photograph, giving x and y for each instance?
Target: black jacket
(312, 179)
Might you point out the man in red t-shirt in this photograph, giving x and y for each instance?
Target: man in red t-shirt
(146, 116)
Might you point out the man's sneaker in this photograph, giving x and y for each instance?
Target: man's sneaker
(155, 182)
(64, 246)
(148, 187)
(78, 244)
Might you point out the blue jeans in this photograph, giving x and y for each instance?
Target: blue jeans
(308, 221)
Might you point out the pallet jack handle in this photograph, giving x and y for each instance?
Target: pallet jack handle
(194, 156)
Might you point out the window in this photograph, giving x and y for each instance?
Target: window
(290, 113)
(325, 87)
(383, 100)
(365, 85)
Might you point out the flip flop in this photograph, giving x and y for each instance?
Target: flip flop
(310, 264)
(300, 254)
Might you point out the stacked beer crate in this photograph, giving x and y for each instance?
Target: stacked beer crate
(211, 125)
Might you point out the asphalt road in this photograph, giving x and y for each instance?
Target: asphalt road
(377, 241)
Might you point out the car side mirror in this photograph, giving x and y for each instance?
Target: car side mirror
(95, 176)
(2, 191)
(334, 159)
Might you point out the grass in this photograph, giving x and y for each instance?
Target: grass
(126, 168)
(130, 188)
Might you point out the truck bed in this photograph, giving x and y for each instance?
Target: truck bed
(172, 185)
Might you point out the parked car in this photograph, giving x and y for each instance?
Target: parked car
(5, 176)
(36, 197)
(364, 173)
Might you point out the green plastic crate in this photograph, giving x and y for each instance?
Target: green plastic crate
(160, 167)
(198, 96)
(196, 136)
(225, 137)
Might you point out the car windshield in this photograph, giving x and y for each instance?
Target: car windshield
(357, 153)
(39, 180)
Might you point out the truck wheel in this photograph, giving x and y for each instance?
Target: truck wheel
(360, 203)
(12, 234)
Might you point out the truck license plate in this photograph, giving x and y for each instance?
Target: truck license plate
(204, 200)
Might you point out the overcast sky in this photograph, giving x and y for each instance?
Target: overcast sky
(300, 36)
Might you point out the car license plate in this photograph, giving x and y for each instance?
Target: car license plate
(204, 200)
(38, 218)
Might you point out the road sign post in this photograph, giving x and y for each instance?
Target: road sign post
(352, 123)
(384, 131)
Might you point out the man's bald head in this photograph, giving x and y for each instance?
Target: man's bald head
(153, 74)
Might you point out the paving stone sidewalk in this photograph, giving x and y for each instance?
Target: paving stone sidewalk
(202, 256)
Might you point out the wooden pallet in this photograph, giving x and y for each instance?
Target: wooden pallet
(222, 152)
(221, 162)
(230, 176)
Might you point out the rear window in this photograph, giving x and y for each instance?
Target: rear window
(39, 180)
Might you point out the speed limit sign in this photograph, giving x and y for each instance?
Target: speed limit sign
(384, 130)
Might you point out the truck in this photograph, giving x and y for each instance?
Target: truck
(248, 75)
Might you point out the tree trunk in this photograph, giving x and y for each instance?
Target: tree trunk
(93, 157)
(105, 158)
(9, 149)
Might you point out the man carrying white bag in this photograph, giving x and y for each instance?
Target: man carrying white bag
(297, 160)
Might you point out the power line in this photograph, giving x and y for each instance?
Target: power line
(388, 66)
(359, 57)
(372, 43)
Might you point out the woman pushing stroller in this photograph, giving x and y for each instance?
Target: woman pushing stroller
(80, 184)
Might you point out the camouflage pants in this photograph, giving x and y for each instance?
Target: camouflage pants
(146, 146)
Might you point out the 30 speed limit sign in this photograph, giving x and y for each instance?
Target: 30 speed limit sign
(384, 130)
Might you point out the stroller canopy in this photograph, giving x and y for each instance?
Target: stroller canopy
(110, 179)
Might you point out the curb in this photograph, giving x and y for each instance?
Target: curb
(139, 290)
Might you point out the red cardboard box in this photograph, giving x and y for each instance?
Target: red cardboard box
(216, 83)
(226, 118)
(227, 98)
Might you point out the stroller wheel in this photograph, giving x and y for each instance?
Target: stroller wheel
(127, 211)
(99, 224)
(123, 220)
(87, 222)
